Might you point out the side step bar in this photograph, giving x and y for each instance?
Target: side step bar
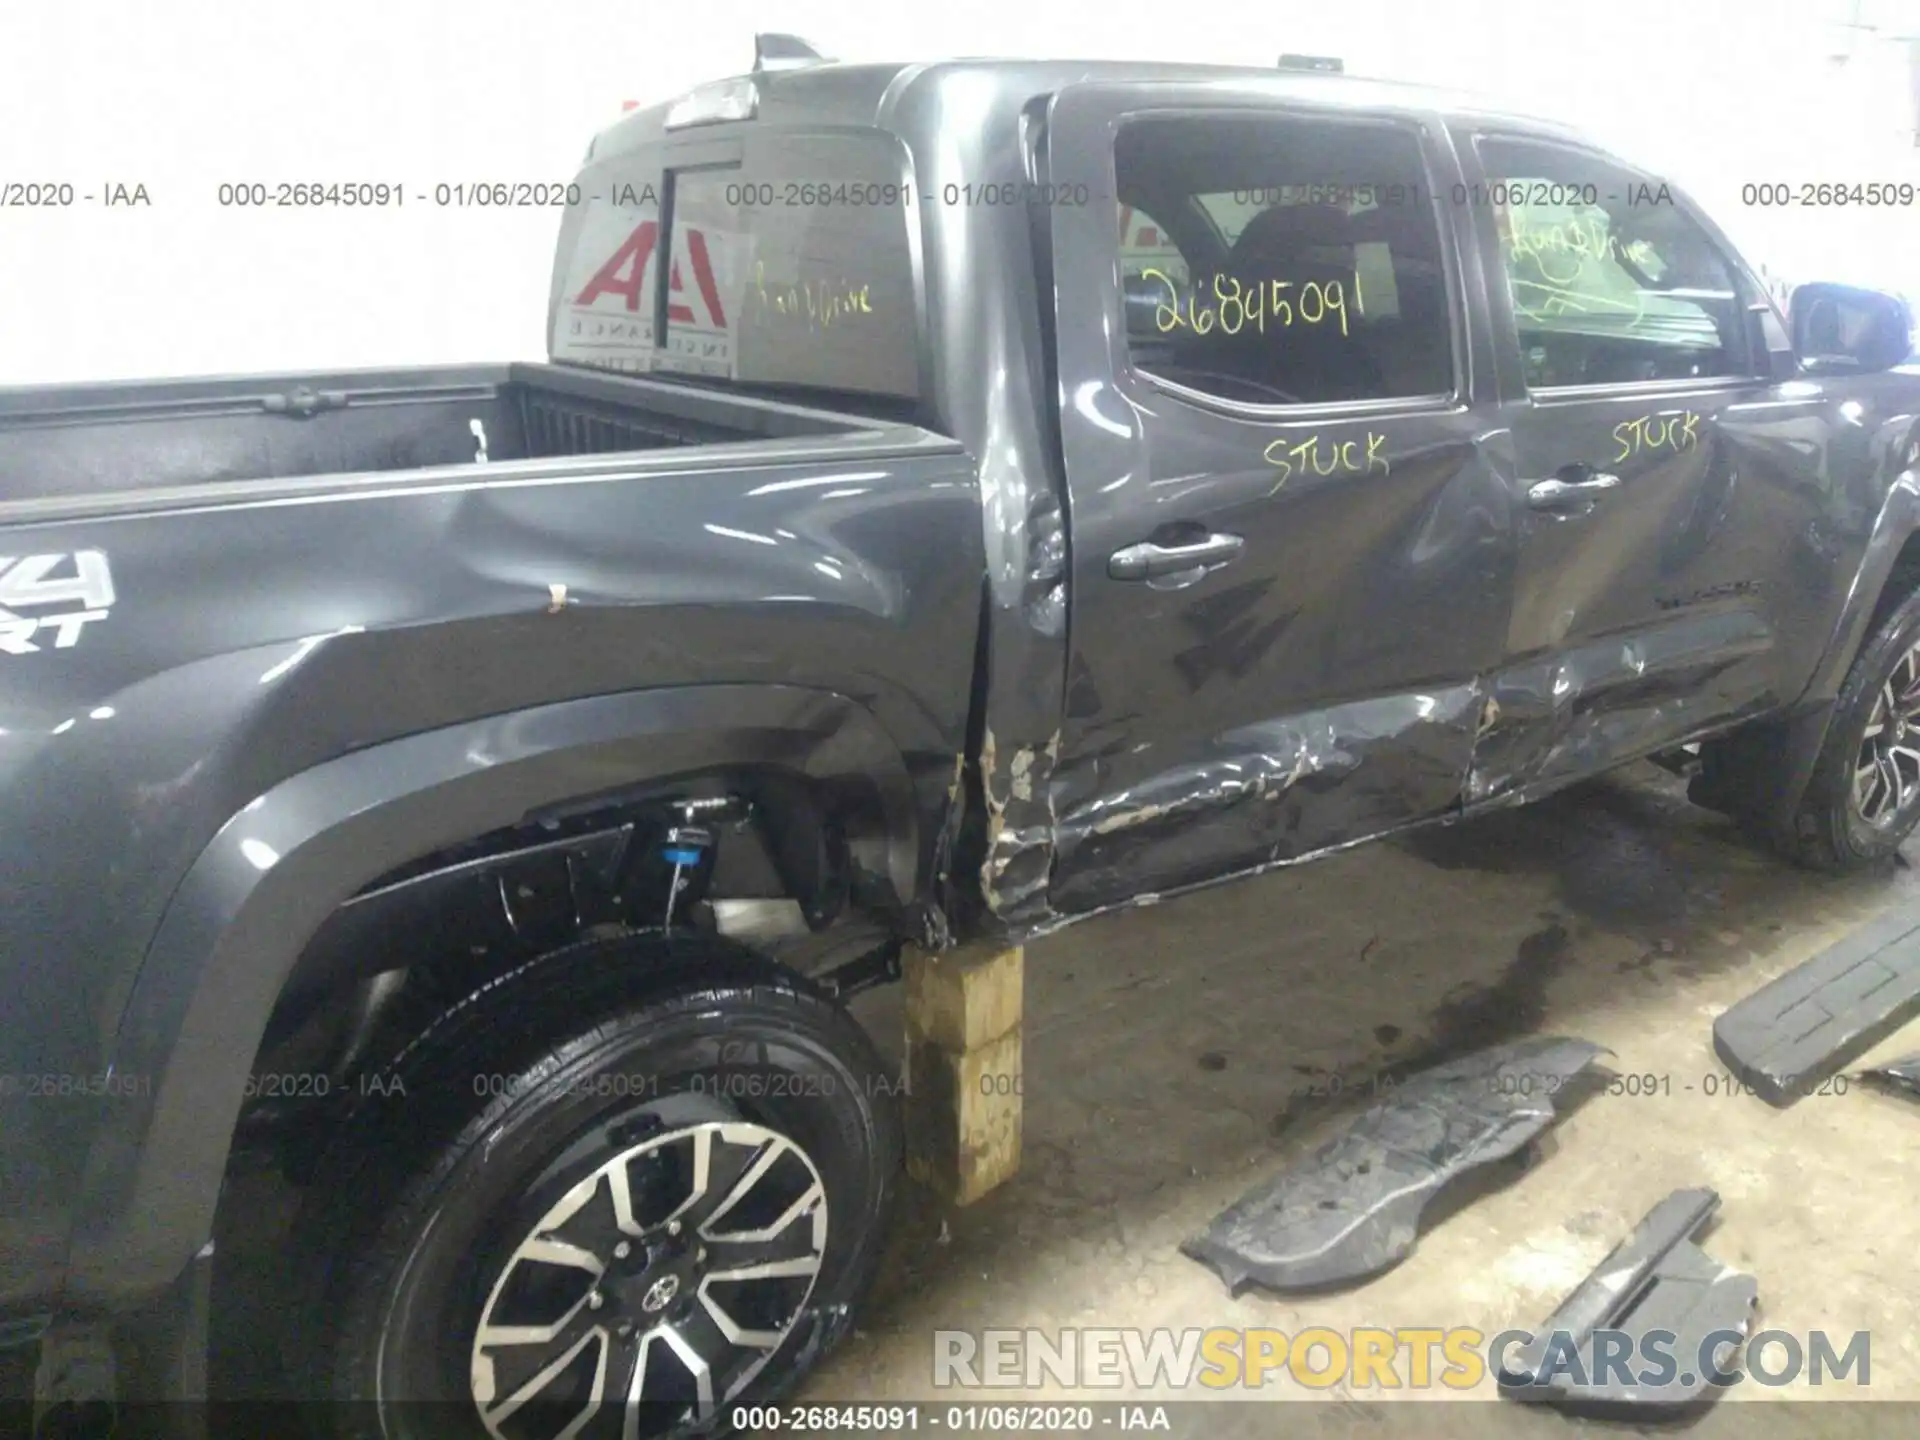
(1790, 1035)
(1656, 1285)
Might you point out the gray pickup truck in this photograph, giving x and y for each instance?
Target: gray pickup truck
(959, 499)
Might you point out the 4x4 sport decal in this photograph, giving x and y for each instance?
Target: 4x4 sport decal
(80, 580)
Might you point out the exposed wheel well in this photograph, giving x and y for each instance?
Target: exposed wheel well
(253, 903)
(766, 856)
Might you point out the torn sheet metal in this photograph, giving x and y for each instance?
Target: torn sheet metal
(1902, 1075)
(1020, 826)
(1789, 1036)
(1656, 1292)
(990, 374)
(1352, 1207)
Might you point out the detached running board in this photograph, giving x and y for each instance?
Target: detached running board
(1657, 1284)
(1791, 1035)
(1352, 1207)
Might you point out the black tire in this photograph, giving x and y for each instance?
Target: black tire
(1830, 830)
(488, 1125)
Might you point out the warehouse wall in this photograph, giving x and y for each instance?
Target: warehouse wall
(180, 99)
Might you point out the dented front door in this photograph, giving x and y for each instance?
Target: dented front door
(1668, 493)
(1291, 558)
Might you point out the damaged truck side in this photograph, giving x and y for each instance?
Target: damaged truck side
(959, 499)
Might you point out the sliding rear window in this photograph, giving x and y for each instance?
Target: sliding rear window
(792, 267)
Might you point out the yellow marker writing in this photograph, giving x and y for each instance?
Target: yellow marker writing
(1236, 305)
(1318, 455)
(819, 302)
(1667, 430)
(1570, 245)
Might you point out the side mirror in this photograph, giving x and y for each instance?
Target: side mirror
(1844, 329)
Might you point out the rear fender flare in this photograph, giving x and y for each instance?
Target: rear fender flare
(263, 886)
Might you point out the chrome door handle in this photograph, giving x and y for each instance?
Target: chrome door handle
(1550, 494)
(1147, 561)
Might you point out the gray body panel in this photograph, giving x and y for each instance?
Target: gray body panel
(269, 632)
(346, 669)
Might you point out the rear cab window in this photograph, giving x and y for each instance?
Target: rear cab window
(789, 266)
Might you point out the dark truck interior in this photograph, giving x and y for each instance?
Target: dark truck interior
(118, 437)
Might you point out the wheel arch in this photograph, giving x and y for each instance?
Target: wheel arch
(1889, 570)
(238, 924)
(1777, 757)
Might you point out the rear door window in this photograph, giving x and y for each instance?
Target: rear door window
(1292, 260)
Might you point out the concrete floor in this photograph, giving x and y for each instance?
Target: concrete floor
(1170, 1053)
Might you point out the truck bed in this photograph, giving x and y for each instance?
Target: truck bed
(86, 441)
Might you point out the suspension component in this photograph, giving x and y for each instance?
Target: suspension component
(688, 846)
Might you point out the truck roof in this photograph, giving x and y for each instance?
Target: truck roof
(882, 94)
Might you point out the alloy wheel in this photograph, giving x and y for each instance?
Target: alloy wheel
(655, 1288)
(1887, 769)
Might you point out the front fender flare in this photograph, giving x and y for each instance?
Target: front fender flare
(1897, 522)
(238, 922)
(1777, 757)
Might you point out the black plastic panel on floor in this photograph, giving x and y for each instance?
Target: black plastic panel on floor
(1787, 1038)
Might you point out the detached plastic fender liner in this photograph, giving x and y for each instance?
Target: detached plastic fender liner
(1352, 1207)
(1656, 1280)
(277, 869)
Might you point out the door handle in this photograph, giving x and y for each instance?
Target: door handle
(1148, 561)
(1552, 494)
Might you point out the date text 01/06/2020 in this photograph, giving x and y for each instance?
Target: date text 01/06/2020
(1635, 1084)
(1708, 1083)
(808, 194)
(958, 1419)
(393, 194)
